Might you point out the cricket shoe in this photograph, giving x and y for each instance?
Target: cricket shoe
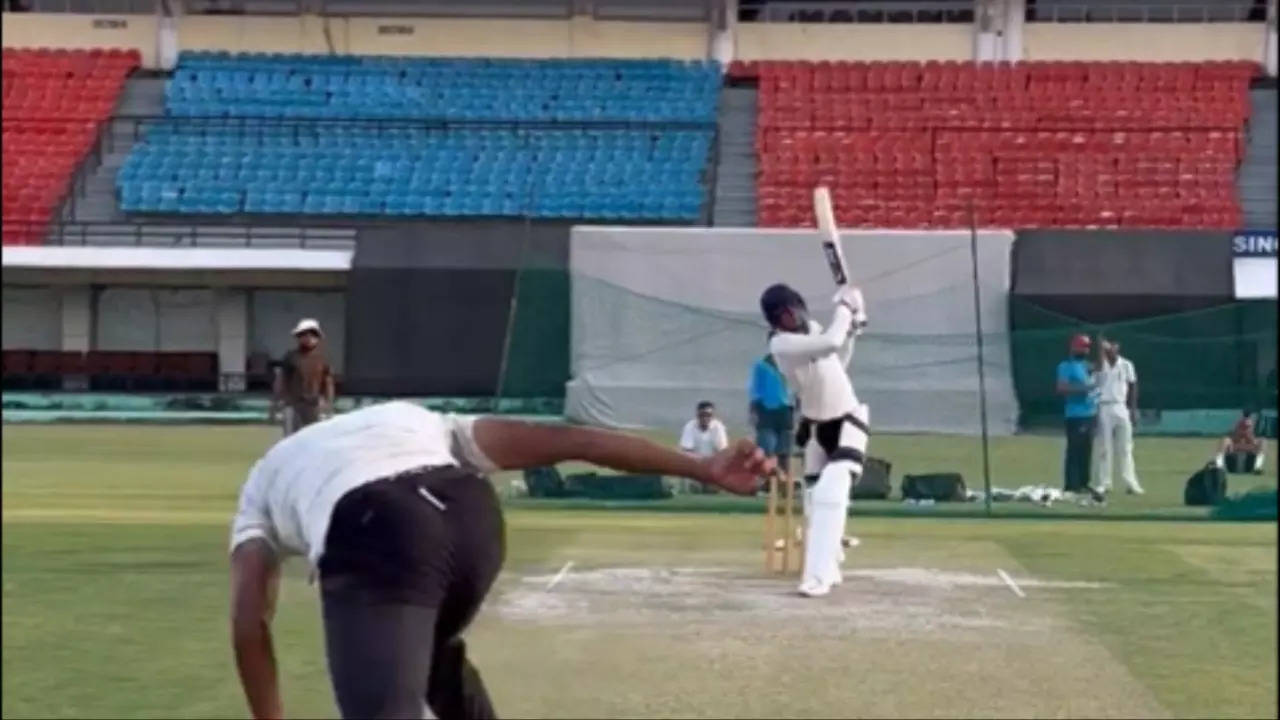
(813, 588)
(1136, 491)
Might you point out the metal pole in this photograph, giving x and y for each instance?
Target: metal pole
(515, 295)
(982, 374)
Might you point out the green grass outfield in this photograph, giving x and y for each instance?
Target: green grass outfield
(115, 597)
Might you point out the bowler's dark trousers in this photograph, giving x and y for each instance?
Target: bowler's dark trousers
(1079, 460)
(407, 563)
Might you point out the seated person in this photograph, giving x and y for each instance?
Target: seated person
(702, 437)
(1242, 451)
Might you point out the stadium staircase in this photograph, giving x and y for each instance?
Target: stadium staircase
(1037, 144)
(95, 199)
(735, 204)
(1257, 181)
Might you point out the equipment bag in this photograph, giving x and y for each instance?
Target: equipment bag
(1207, 487)
(545, 482)
(939, 487)
(618, 487)
(875, 482)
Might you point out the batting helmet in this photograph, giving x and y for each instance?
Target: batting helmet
(777, 298)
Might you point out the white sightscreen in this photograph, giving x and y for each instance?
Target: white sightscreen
(665, 317)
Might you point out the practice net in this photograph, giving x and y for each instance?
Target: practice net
(662, 318)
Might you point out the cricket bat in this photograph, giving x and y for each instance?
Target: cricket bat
(829, 234)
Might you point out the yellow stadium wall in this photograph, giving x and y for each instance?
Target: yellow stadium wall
(804, 41)
(70, 31)
(580, 37)
(1157, 43)
(246, 33)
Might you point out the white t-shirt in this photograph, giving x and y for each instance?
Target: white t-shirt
(290, 494)
(1113, 381)
(704, 443)
(815, 366)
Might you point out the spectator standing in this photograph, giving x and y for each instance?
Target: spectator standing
(303, 385)
(702, 437)
(1077, 384)
(772, 414)
(1117, 412)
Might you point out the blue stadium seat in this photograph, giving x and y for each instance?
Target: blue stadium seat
(614, 173)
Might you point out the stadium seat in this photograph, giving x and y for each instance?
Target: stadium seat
(1072, 144)
(54, 101)
(465, 137)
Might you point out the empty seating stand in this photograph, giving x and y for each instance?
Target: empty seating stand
(1038, 144)
(54, 101)
(323, 135)
(105, 370)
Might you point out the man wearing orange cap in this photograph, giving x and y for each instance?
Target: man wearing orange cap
(1077, 384)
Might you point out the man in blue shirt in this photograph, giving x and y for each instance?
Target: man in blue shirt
(1078, 387)
(771, 411)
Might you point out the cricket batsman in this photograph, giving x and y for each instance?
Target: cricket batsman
(833, 427)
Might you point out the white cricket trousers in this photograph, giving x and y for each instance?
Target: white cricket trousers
(1115, 445)
(826, 496)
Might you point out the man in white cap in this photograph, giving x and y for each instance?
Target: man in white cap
(304, 382)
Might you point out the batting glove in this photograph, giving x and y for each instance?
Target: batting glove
(851, 297)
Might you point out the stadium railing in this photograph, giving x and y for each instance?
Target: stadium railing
(93, 7)
(819, 11)
(644, 10)
(283, 235)
(1147, 12)
(944, 11)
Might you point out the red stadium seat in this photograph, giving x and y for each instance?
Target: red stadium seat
(54, 101)
(1067, 143)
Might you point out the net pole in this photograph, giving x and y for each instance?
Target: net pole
(982, 365)
(505, 358)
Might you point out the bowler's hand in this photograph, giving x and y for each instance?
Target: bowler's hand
(738, 467)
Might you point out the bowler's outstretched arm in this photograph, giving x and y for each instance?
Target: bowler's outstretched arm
(512, 445)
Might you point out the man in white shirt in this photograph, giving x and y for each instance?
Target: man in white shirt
(389, 505)
(1117, 384)
(834, 426)
(702, 437)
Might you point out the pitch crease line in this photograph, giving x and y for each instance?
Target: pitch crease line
(559, 576)
(1009, 581)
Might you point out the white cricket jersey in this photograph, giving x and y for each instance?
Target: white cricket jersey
(290, 494)
(815, 366)
(704, 443)
(1113, 381)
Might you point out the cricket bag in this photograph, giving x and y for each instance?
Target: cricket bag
(1206, 487)
(939, 487)
(874, 483)
(619, 487)
(545, 482)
